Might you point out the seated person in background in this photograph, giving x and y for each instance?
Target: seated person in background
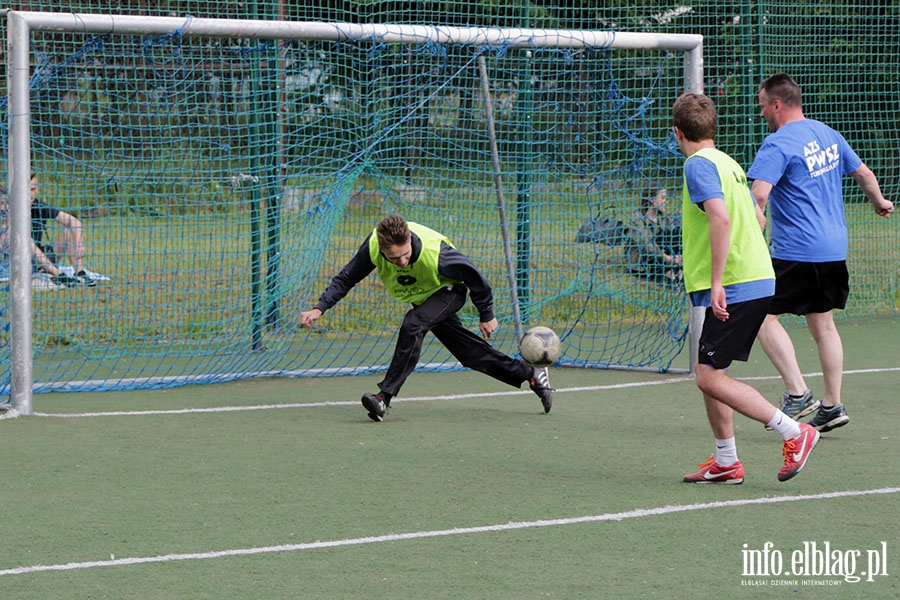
(651, 247)
(37, 255)
(69, 243)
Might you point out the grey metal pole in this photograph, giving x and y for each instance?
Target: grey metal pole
(388, 33)
(693, 74)
(501, 198)
(19, 122)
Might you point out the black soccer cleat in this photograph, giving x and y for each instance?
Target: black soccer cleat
(376, 406)
(540, 385)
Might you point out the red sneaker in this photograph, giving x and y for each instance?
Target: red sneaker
(796, 451)
(713, 472)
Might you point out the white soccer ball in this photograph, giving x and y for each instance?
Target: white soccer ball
(540, 347)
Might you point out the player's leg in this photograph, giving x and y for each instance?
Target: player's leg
(832, 413)
(723, 466)
(832, 293)
(795, 285)
(418, 321)
(778, 346)
(721, 343)
(831, 354)
(739, 396)
(477, 354)
(473, 352)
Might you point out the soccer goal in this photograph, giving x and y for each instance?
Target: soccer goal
(224, 170)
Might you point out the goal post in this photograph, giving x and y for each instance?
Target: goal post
(22, 25)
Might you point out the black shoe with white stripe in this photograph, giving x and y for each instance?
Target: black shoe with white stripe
(540, 385)
(376, 406)
(829, 417)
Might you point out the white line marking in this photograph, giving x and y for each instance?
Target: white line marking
(354, 403)
(631, 514)
(592, 388)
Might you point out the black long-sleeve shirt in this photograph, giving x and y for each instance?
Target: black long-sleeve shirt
(451, 263)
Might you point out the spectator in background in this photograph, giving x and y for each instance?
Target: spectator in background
(798, 172)
(38, 256)
(69, 242)
(652, 246)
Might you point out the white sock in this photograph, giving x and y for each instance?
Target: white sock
(786, 427)
(726, 452)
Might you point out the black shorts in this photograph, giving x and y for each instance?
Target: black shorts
(722, 342)
(809, 287)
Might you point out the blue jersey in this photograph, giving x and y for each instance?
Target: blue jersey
(805, 161)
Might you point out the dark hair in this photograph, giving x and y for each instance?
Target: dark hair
(651, 191)
(392, 231)
(695, 115)
(783, 87)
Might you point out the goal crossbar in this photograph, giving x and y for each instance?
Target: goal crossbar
(389, 33)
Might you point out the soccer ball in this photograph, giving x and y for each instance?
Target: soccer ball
(540, 347)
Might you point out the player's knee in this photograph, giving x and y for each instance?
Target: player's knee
(706, 377)
(413, 325)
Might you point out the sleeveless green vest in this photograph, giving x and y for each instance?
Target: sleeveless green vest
(748, 254)
(417, 281)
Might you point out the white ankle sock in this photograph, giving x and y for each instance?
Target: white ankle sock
(786, 427)
(726, 452)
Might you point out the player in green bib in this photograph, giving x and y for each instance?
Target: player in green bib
(727, 270)
(421, 267)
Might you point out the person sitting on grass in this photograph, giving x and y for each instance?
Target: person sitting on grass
(39, 259)
(69, 242)
(650, 245)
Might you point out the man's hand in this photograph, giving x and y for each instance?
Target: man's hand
(883, 208)
(718, 303)
(488, 327)
(308, 317)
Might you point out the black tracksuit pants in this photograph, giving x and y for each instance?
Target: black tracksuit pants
(438, 315)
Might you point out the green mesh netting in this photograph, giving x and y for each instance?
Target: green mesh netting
(221, 183)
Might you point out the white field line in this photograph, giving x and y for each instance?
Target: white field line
(620, 516)
(593, 388)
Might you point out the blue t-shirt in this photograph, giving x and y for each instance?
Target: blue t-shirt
(703, 183)
(805, 161)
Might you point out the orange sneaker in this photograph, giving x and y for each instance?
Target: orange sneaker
(713, 472)
(797, 450)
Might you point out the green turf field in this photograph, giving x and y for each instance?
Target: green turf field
(282, 488)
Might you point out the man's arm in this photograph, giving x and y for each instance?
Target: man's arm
(353, 272)
(719, 240)
(869, 184)
(761, 190)
(456, 265)
(760, 217)
(41, 259)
